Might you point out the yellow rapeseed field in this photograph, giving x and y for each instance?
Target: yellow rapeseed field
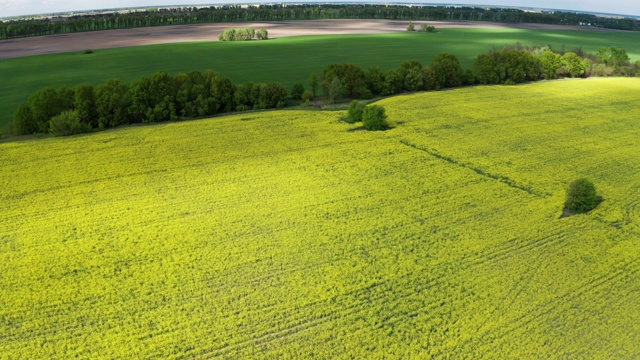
(285, 234)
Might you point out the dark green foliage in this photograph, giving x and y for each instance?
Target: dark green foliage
(246, 96)
(272, 95)
(44, 105)
(448, 70)
(393, 82)
(153, 98)
(85, 105)
(222, 93)
(582, 196)
(159, 97)
(88, 51)
(335, 90)
(469, 78)
(374, 79)
(296, 91)
(193, 94)
(354, 112)
(23, 121)
(307, 96)
(374, 118)
(430, 79)
(112, 103)
(613, 56)
(412, 76)
(351, 77)
(313, 83)
(507, 67)
(68, 123)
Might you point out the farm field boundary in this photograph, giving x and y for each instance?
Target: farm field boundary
(262, 61)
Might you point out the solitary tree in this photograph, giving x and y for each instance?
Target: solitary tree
(581, 197)
(411, 27)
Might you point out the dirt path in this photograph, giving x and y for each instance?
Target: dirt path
(209, 32)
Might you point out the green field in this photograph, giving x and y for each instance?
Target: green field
(284, 234)
(287, 60)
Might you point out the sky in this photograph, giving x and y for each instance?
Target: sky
(30, 7)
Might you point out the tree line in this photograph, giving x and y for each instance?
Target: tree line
(281, 12)
(511, 65)
(156, 98)
(162, 97)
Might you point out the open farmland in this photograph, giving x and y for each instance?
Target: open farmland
(283, 234)
(287, 60)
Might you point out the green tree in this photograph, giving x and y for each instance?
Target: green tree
(448, 70)
(112, 103)
(613, 56)
(582, 196)
(374, 118)
(222, 94)
(430, 78)
(228, 35)
(296, 91)
(575, 66)
(412, 76)
(374, 78)
(335, 90)
(410, 27)
(23, 121)
(85, 105)
(313, 83)
(393, 82)
(44, 105)
(351, 77)
(262, 34)
(486, 69)
(68, 123)
(354, 112)
(550, 63)
(307, 97)
(272, 95)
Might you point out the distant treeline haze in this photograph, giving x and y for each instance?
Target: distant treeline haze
(281, 12)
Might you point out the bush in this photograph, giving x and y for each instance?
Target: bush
(297, 91)
(354, 113)
(427, 28)
(307, 96)
(581, 197)
(23, 121)
(88, 51)
(374, 118)
(68, 123)
(262, 34)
